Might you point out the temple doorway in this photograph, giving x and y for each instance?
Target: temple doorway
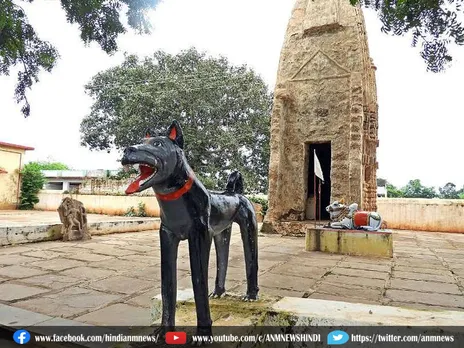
(324, 154)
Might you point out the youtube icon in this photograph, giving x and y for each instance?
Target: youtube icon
(176, 337)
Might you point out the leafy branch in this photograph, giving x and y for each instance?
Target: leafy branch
(98, 21)
(435, 24)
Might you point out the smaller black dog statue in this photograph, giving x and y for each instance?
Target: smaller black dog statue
(189, 211)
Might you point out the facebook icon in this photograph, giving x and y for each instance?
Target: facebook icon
(21, 336)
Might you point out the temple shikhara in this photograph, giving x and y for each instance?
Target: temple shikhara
(325, 100)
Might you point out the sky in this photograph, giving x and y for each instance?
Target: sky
(420, 113)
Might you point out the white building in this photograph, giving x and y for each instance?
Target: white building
(382, 191)
(68, 180)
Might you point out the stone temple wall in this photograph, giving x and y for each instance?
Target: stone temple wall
(370, 125)
(325, 92)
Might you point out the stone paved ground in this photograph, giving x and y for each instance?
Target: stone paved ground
(11, 218)
(110, 279)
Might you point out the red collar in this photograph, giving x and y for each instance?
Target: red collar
(180, 192)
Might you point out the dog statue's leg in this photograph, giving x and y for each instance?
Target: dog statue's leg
(199, 248)
(221, 243)
(169, 248)
(249, 232)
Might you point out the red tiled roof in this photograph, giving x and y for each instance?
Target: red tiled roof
(3, 171)
(14, 146)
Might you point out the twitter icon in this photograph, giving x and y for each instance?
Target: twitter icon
(337, 337)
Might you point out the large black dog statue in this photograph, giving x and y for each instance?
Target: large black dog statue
(189, 211)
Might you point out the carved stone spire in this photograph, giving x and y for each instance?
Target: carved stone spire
(325, 94)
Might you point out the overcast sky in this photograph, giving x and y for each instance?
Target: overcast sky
(420, 114)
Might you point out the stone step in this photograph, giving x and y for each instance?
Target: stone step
(10, 235)
(316, 312)
(310, 312)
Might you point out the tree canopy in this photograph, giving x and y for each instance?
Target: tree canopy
(393, 191)
(381, 182)
(224, 111)
(449, 191)
(415, 189)
(434, 24)
(47, 165)
(99, 21)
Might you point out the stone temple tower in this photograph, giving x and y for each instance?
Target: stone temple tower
(325, 100)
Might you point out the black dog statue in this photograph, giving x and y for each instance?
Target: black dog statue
(189, 211)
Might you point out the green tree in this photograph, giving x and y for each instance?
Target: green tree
(44, 165)
(99, 21)
(414, 189)
(32, 182)
(123, 173)
(394, 192)
(433, 23)
(381, 182)
(461, 193)
(224, 111)
(449, 191)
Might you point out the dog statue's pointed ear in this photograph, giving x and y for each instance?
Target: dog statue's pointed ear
(175, 134)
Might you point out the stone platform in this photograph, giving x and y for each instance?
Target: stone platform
(19, 226)
(350, 242)
(346, 242)
(232, 311)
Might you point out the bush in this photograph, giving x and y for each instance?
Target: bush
(130, 212)
(32, 182)
(262, 201)
(141, 212)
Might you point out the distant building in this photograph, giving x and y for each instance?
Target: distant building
(11, 160)
(69, 180)
(381, 191)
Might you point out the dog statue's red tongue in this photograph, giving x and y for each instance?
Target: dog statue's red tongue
(145, 172)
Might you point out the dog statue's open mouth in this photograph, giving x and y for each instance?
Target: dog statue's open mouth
(146, 173)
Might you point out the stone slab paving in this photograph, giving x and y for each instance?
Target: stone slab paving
(36, 217)
(97, 281)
